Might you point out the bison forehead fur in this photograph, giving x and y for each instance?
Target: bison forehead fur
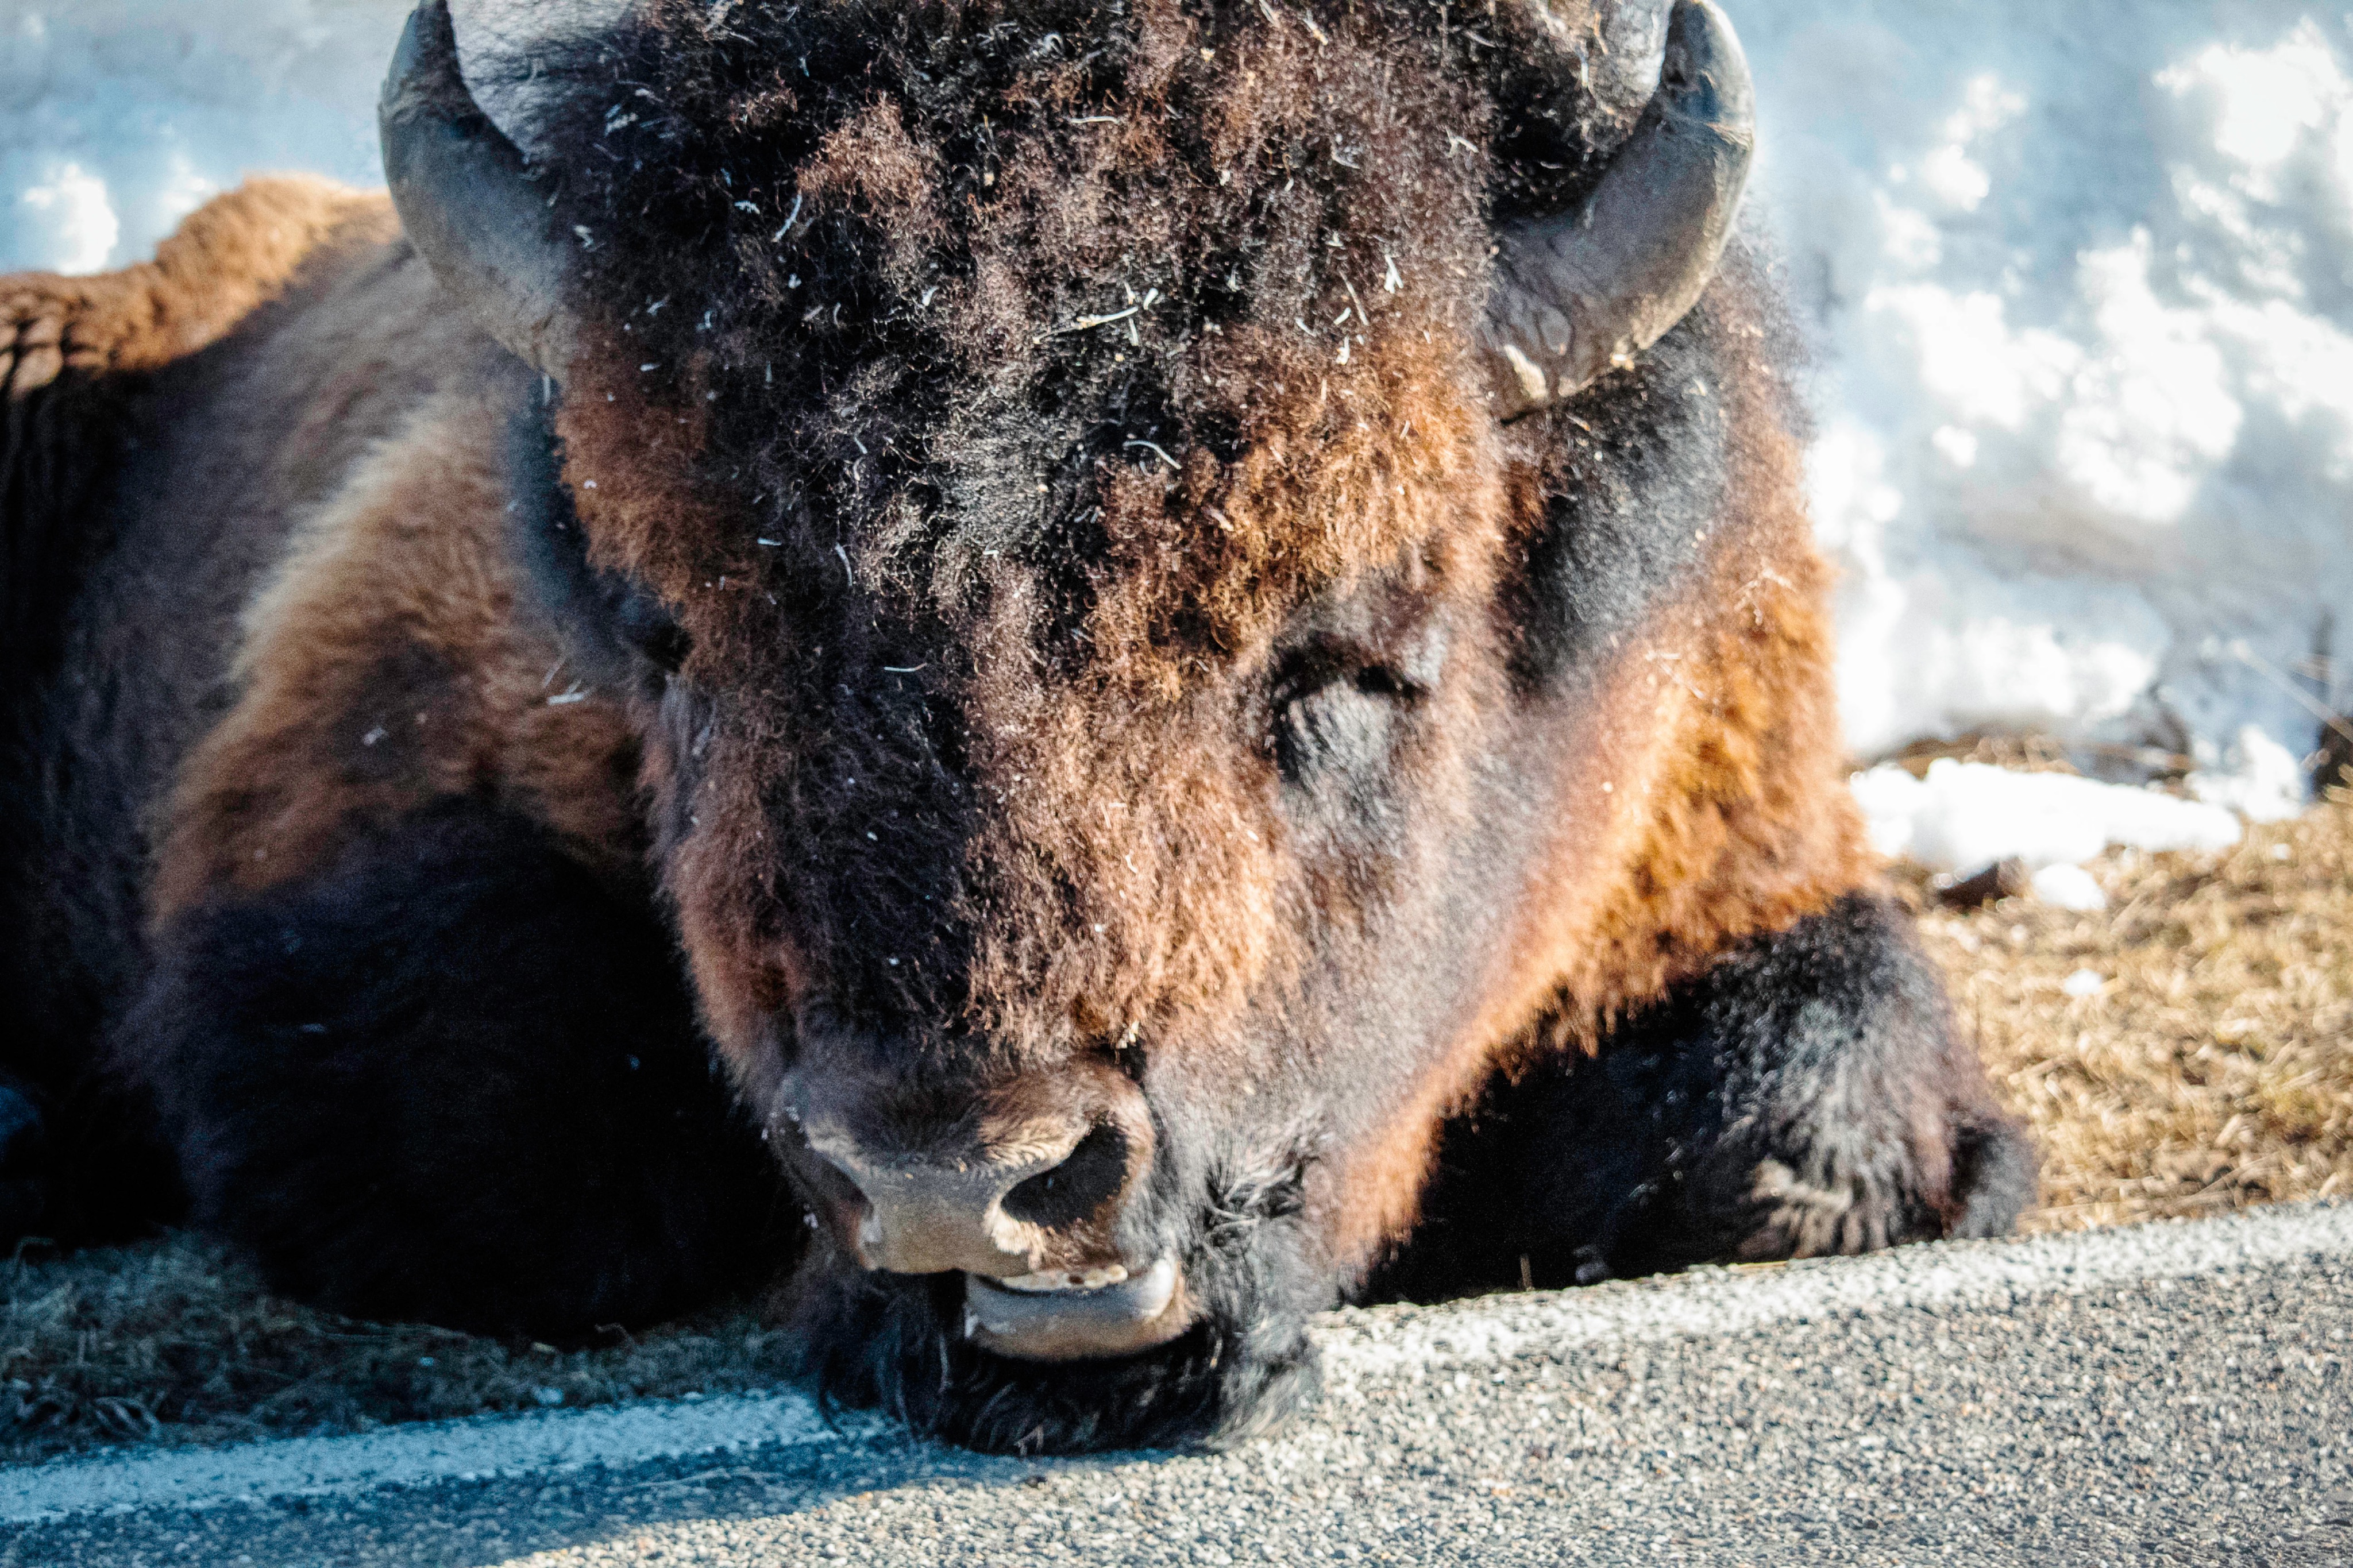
(841, 265)
(1011, 558)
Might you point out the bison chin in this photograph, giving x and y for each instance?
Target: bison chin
(898, 1342)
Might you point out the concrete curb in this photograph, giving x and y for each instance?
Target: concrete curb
(1360, 1347)
(478, 1448)
(1713, 1302)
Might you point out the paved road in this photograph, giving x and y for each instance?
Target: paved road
(2174, 1394)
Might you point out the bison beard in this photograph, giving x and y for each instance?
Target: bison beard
(1184, 641)
(893, 1342)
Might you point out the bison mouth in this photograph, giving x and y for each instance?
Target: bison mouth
(1207, 1345)
(1060, 1316)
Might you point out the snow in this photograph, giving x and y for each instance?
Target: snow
(1964, 816)
(2268, 785)
(2079, 276)
(2081, 279)
(2083, 983)
(2069, 888)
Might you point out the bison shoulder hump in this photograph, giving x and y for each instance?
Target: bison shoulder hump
(70, 348)
(230, 256)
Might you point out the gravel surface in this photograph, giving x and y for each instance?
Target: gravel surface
(2022, 1402)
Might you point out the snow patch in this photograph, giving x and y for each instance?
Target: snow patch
(2083, 983)
(2070, 887)
(1964, 816)
(2081, 275)
(2261, 780)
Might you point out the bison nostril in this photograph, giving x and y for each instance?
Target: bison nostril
(1077, 1188)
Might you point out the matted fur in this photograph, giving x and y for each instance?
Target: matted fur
(103, 676)
(988, 389)
(898, 380)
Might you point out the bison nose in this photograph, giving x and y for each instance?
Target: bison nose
(1043, 1194)
(1032, 1189)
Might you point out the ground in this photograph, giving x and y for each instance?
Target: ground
(2212, 1068)
(2163, 1395)
(2186, 1052)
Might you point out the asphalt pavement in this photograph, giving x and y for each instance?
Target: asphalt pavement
(2168, 1395)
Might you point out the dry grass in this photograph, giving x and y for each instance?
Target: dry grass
(174, 1341)
(2213, 1069)
(2019, 753)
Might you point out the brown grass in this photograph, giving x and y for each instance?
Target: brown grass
(2213, 1069)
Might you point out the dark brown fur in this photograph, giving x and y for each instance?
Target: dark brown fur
(166, 419)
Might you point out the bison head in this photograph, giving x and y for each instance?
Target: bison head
(1135, 719)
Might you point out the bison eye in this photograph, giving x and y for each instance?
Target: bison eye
(1350, 679)
(1339, 721)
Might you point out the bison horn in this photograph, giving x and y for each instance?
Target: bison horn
(468, 201)
(1575, 294)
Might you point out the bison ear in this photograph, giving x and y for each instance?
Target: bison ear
(469, 202)
(1580, 293)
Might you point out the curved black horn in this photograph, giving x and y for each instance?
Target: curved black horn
(468, 202)
(1575, 294)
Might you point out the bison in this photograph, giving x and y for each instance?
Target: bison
(1077, 676)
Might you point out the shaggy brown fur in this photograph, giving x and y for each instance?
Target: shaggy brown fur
(228, 258)
(386, 665)
(147, 375)
(865, 382)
